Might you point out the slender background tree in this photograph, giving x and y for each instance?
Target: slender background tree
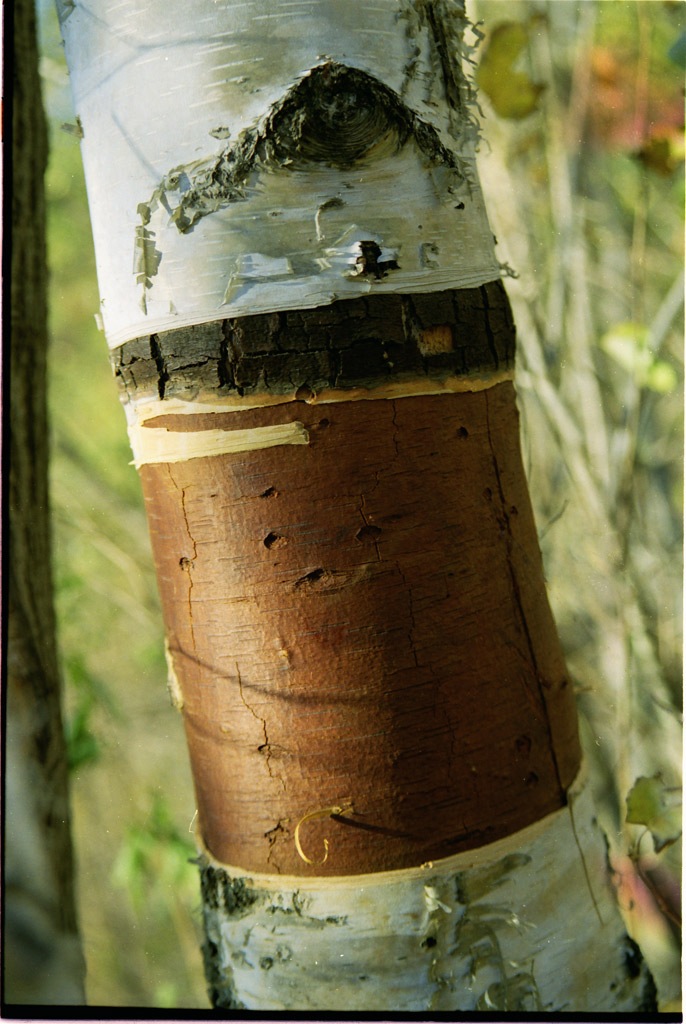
(42, 960)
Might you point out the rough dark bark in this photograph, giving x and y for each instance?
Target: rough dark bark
(353, 343)
(42, 962)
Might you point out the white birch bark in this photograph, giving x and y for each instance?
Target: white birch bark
(172, 96)
(528, 923)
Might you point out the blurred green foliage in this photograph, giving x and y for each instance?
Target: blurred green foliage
(629, 346)
(155, 859)
(658, 807)
(585, 191)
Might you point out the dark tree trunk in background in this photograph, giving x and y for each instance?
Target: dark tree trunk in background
(42, 961)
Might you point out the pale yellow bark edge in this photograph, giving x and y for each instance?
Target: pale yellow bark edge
(162, 445)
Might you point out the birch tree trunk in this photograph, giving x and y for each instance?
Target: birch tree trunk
(42, 960)
(315, 354)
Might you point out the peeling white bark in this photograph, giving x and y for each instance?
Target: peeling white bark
(162, 89)
(528, 923)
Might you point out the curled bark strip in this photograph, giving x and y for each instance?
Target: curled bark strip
(326, 812)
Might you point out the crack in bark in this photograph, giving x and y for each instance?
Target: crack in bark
(272, 836)
(516, 592)
(264, 748)
(411, 609)
(443, 47)
(490, 337)
(224, 371)
(158, 358)
(394, 424)
(583, 864)
(187, 563)
(371, 530)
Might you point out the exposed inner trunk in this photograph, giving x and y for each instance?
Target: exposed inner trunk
(356, 617)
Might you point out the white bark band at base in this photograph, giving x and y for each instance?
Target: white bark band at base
(157, 445)
(528, 923)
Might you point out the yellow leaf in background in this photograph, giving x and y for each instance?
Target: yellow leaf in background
(663, 152)
(656, 806)
(662, 378)
(627, 344)
(512, 93)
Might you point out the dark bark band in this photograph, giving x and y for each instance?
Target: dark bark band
(349, 344)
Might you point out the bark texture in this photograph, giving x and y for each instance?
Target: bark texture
(42, 959)
(360, 622)
(310, 164)
(526, 924)
(354, 343)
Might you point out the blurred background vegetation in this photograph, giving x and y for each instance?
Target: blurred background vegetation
(583, 174)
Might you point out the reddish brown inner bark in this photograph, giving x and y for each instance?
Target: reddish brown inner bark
(363, 619)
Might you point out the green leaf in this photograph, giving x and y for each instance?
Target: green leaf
(627, 344)
(656, 806)
(662, 378)
(512, 93)
(82, 746)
